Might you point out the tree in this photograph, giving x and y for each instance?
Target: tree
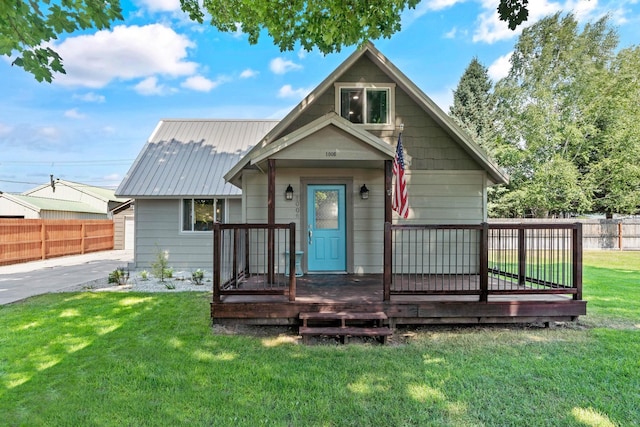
(26, 26)
(550, 113)
(472, 103)
(614, 174)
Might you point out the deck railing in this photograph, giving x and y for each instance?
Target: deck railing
(254, 259)
(483, 259)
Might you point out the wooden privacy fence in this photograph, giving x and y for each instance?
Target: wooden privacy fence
(24, 240)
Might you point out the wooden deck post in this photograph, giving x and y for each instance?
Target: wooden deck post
(484, 262)
(216, 262)
(388, 259)
(236, 243)
(577, 261)
(292, 261)
(388, 173)
(247, 270)
(271, 217)
(522, 257)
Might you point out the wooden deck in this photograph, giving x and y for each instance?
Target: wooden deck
(364, 293)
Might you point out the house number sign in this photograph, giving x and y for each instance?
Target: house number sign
(331, 153)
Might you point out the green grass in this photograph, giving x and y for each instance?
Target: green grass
(105, 359)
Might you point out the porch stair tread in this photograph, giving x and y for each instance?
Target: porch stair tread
(378, 315)
(346, 330)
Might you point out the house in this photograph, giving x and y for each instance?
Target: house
(315, 206)
(20, 206)
(123, 225)
(102, 199)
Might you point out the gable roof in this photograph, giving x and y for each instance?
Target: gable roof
(45, 204)
(329, 119)
(99, 193)
(190, 157)
(421, 99)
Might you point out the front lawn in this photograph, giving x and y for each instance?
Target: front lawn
(136, 359)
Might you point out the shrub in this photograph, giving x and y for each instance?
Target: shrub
(197, 277)
(160, 267)
(120, 276)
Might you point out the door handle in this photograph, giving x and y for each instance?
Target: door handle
(310, 235)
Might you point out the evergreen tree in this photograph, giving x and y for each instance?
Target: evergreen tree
(472, 103)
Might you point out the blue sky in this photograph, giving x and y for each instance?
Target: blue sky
(89, 125)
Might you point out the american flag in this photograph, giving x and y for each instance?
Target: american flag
(400, 202)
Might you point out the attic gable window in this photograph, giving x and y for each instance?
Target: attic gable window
(201, 214)
(371, 105)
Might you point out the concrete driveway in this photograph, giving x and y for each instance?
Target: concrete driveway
(20, 281)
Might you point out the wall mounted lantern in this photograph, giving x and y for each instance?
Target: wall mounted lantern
(288, 194)
(364, 192)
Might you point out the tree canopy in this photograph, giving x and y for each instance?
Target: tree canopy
(568, 122)
(27, 26)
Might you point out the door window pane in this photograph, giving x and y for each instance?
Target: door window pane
(326, 209)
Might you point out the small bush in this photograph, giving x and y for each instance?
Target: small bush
(160, 267)
(144, 275)
(170, 285)
(197, 277)
(120, 276)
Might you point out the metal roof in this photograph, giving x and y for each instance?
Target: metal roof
(101, 193)
(190, 158)
(46, 204)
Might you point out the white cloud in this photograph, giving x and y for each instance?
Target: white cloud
(426, 6)
(500, 67)
(160, 5)
(150, 86)
(287, 91)
(200, 84)
(124, 53)
(451, 34)
(90, 97)
(49, 132)
(282, 66)
(74, 114)
(4, 129)
(248, 73)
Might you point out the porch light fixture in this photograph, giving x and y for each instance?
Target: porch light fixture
(364, 192)
(288, 194)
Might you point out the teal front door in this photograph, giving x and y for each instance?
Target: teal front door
(326, 228)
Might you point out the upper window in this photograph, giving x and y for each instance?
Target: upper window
(366, 104)
(201, 214)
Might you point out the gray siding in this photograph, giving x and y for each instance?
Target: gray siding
(158, 228)
(435, 197)
(427, 146)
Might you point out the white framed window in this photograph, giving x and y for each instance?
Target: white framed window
(201, 214)
(368, 104)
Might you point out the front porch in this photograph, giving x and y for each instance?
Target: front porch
(464, 274)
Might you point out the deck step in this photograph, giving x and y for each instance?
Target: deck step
(345, 330)
(378, 315)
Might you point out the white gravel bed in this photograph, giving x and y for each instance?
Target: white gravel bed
(180, 282)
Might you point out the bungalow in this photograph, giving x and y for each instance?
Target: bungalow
(270, 204)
